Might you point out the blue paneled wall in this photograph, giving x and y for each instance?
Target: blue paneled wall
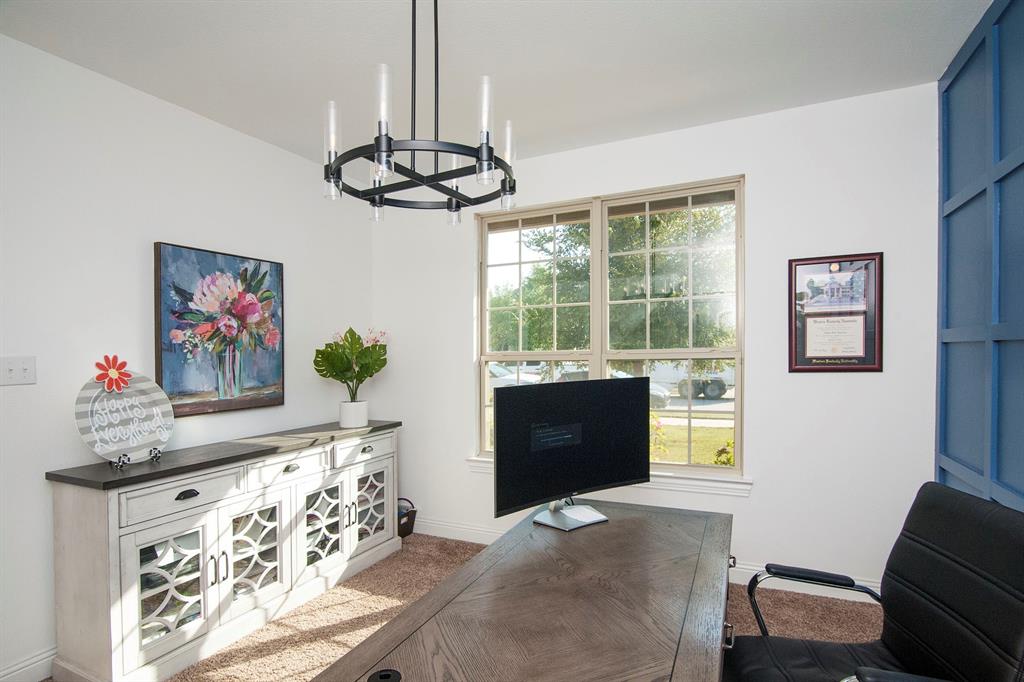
(980, 439)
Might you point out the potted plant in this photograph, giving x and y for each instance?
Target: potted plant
(352, 359)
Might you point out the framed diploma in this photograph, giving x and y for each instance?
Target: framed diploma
(835, 313)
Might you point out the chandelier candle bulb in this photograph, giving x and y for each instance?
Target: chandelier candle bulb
(330, 147)
(510, 147)
(377, 204)
(453, 164)
(508, 201)
(485, 110)
(384, 158)
(485, 164)
(383, 99)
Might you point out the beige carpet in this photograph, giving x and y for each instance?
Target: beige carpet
(305, 641)
(308, 639)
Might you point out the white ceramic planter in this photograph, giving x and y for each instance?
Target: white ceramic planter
(353, 414)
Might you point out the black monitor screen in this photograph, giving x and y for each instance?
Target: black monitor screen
(556, 440)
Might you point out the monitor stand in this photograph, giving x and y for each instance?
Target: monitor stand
(571, 517)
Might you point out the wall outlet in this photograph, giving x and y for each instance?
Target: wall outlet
(15, 371)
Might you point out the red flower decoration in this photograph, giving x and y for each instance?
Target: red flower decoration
(112, 374)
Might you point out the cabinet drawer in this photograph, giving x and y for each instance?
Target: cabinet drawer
(287, 467)
(186, 493)
(350, 452)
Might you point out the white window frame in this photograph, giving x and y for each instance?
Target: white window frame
(600, 353)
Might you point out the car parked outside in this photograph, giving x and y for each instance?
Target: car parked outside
(713, 385)
(499, 376)
(660, 395)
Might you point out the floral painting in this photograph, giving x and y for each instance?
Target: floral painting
(220, 330)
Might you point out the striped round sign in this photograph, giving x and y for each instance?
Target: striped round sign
(128, 423)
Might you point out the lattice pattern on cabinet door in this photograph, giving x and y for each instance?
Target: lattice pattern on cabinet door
(323, 524)
(256, 551)
(170, 589)
(370, 505)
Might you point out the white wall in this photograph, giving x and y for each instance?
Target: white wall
(835, 458)
(845, 176)
(92, 173)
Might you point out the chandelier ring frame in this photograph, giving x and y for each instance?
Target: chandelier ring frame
(413, 179)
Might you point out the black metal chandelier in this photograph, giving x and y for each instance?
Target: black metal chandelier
(381, 153)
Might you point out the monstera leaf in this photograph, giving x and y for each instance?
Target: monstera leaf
(350, 361)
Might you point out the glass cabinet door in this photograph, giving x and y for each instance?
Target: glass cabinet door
(322, 520)
(371, 486)
(167, 572)
(253, 561)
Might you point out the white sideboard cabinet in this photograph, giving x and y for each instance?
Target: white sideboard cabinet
(162, 563)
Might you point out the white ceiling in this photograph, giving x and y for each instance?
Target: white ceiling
(569, 73)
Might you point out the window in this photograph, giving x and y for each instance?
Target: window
(660, 299)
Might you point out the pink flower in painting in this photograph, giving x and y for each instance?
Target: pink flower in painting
(247, 308)
(227, 325)
(214, 293)
(177, 335)
(272, 337)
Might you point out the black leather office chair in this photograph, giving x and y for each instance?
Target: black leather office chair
(952, 602)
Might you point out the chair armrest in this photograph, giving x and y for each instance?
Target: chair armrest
(809, 575)
(803, 575)
(876, 675)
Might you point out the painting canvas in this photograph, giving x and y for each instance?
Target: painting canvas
(219, 330)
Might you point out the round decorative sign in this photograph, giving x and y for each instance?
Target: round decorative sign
(124, 417)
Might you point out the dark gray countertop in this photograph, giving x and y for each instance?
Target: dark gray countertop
(102, 476)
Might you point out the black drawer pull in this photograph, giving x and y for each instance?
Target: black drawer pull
(187, 494)
(367, 448)
(291, 467)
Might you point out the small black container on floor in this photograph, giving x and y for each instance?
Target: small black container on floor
(406, 516)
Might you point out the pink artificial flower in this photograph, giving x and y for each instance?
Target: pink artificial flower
(227, 325)
(177, 336)
(273, 337)
(374, 337)
(214, 293)
(247, 308)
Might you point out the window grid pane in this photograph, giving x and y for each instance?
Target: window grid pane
(522, 289)
(675, 259)
(692, 405)
(670, 285)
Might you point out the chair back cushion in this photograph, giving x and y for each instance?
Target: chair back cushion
(953, 588)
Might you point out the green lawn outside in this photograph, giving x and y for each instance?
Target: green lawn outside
(696, 414)
(706, 441)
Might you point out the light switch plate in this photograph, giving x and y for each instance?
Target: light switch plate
(16, 371)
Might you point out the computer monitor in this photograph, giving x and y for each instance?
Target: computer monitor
(555, 441)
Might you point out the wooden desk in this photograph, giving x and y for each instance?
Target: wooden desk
(641, 597)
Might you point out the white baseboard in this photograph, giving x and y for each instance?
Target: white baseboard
(741, 574)
(32, 669)
(457, 531)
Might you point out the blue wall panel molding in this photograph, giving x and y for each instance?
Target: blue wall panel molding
(980, 427)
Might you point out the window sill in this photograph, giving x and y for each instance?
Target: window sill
(481, 465)
(707, 483)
